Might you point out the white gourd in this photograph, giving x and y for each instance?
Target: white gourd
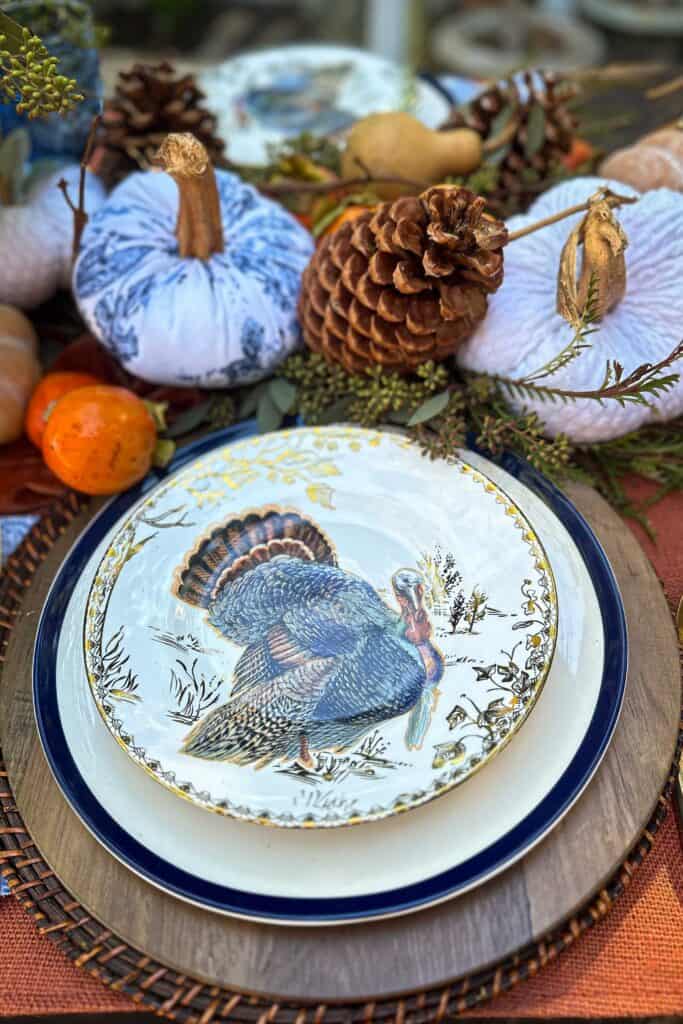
(36, 239)
(19, 370)
(522, 330)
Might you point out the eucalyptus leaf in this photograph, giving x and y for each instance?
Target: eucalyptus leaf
(190, 419)
(496, 158)
(268, 415)
(399, 416)
(429, 409)
(535, 130)
(250, 399)
(14, 152)
(13, 33)
(502, 120)
(335, 413)
(282, 393)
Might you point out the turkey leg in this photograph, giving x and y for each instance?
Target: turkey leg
(305, 758)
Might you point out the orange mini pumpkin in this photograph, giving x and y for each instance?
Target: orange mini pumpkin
(99, 440)
(50, 389)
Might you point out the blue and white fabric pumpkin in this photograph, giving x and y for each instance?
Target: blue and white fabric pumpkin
(218, 321)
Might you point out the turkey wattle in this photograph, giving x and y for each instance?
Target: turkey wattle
(325, 659)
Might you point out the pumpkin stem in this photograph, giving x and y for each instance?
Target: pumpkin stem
(199, 228)
(601, 284)
(611, 198)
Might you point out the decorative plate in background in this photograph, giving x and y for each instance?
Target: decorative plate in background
(294, 631)
(267, 97)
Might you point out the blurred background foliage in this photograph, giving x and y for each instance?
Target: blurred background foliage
(442, 35)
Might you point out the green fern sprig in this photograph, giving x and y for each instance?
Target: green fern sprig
(638, 387)
(579, 342)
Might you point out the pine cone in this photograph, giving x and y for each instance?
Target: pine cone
(150, 101)
(541, 131)
(403, 283)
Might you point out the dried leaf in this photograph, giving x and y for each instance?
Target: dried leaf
(567, 286)
(603, 266)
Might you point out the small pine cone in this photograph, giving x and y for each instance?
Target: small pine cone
(404, 283)
(149, 102)
(516, 101)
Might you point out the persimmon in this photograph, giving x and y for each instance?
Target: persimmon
(50, 389)
(580, 153)
(348, 213)
(100, 439)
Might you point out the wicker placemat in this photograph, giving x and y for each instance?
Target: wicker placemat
(92, 946)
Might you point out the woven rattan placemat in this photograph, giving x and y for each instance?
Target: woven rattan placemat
(90, 945)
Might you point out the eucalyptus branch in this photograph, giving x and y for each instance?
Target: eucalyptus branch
(28, 70)
(294, 187)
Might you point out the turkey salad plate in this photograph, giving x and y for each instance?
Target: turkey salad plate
(304, 876)
(291, 632)
(262, 99)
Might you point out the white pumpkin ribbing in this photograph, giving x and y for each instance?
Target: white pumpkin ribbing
(36, 239)
(522, 330)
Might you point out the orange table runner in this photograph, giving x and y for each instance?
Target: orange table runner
(629, 964)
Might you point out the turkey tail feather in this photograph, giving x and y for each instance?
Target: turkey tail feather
(233, 548)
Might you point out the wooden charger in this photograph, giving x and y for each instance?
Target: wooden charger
(421, 951)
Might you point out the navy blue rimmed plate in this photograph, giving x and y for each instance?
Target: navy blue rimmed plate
(321, 910)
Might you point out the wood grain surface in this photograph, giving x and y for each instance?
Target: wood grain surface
(422, 950)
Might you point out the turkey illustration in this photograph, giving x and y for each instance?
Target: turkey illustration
(325, 657)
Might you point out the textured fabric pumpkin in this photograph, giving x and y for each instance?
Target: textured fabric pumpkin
(36, 239)
(225, 317)
(523, 332)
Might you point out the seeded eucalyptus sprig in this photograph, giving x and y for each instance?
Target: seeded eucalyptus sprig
(441, 406)
(28, 71)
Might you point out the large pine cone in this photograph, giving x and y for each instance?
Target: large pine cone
(534, 108)
(150, 101)
(403, 283)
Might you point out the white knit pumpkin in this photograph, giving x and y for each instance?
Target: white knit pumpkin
(522, 330)
(36, 239)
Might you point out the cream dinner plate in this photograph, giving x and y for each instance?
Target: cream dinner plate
(323, 875)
